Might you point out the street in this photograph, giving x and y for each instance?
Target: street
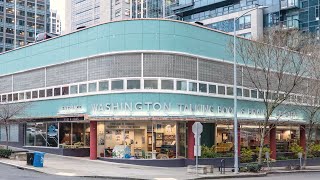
(292, 176)
(13, 173)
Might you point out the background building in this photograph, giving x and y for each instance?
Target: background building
(31, 17)
(92, 12)
(303, 14)
(55, 22)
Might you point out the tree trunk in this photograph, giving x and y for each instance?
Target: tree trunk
(7, 136)
(261, 144)
(305, 158)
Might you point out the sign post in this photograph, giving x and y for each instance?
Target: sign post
(197, 129)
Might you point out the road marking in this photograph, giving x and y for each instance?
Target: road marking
(65, 174)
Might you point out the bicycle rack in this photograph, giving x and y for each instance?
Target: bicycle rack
(222, 167)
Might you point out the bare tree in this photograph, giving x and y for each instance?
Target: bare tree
(274, 65)
(311, 105)
(11, 113)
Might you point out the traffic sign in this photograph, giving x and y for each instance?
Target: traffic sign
(197, 128)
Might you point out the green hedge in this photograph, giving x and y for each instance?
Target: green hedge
(5, 153)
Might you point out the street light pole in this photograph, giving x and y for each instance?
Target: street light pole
(235, 112)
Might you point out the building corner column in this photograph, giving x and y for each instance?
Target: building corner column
(191, 140)
(273, 142)
(303, 137)
(93, 140)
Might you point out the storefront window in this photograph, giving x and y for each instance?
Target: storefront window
(36, 134)
(224, 138)
(65, 134)
(52, 134)
(78, 134)
(139, 139)
(285, 137)
(133, 84)
(42, 134)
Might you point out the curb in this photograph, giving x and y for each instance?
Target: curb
(235, 176)
(296, 171)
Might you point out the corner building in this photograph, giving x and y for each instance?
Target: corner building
(135, 85)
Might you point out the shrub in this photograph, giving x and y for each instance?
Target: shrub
(246, 155)
(296, 149)
(314, 150)
(5, 153)
(282, 158)
(208, 152)
(253, 167)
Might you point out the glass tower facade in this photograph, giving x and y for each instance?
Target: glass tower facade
(21, 20)
(302, 14)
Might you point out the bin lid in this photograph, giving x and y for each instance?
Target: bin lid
(42, 153)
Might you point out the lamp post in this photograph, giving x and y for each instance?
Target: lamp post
(235, 118)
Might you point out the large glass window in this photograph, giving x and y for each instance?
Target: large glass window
(150, 84)
(65, 134)
(117, 85)
(182, 85)
(36, 134)
(52, 134)
(133, 84)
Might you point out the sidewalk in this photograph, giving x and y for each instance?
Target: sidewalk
(83, 167)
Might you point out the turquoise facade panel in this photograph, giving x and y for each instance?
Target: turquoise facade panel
(131, 35)
(152, 104)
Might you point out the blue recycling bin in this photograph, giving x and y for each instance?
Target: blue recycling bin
(38, 159)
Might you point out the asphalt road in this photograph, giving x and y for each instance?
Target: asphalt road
(13, 173)
(292, 176)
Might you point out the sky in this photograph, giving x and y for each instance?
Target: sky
(59, 6)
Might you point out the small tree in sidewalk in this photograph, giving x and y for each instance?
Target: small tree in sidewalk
(9, 114)
(274, 65)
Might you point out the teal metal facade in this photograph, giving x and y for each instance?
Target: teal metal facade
(131, 35)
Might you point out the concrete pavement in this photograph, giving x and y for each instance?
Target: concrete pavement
(83, 167)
